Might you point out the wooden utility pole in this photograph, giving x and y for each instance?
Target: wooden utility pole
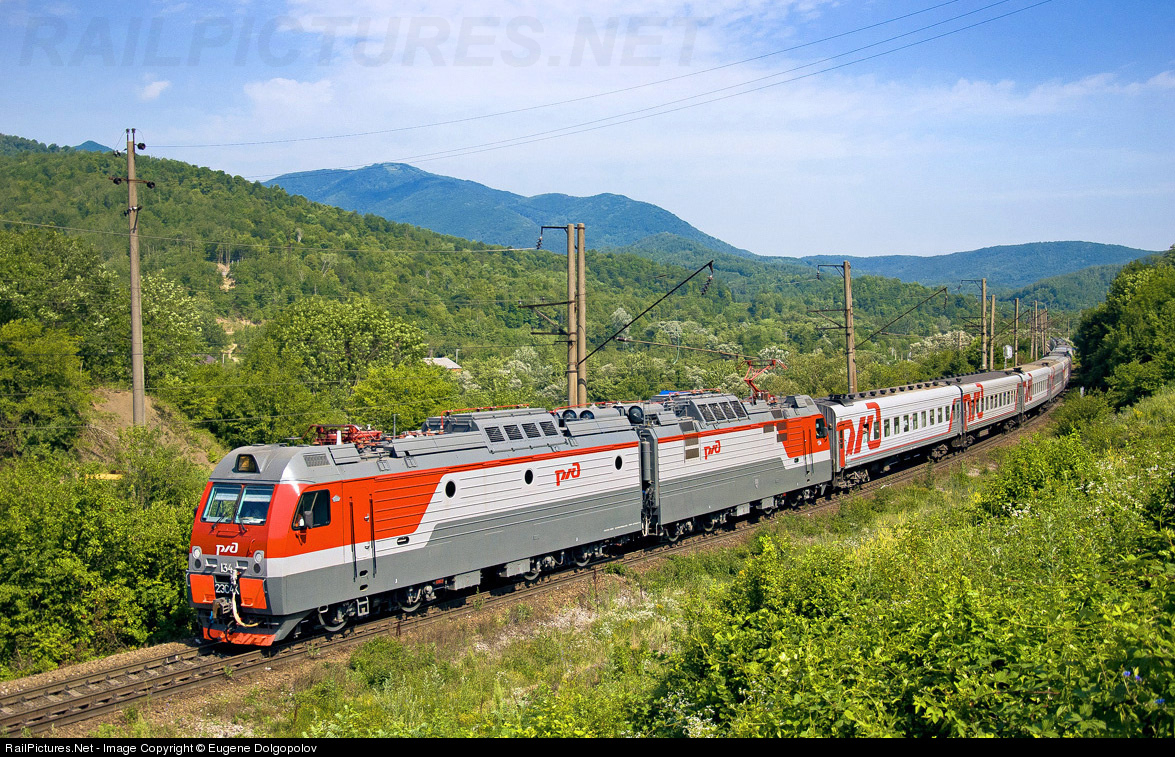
(983, 326)
(581, 323)
(850, 344)
(572, 322)
(991, 342)
(1016, 333)
(1035, 327)
(138, 389)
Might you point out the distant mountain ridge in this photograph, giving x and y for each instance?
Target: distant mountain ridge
(1005, 266)
(13, 145)
(404, 193)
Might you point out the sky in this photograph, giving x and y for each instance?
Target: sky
(786, 127)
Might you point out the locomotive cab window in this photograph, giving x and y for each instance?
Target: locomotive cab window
(234, 503)
(313, 510)
(821, 431)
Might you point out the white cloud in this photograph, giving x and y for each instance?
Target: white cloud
(289, 95)
(153, 89)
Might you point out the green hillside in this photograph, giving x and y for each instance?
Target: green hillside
(1070, 291)
(275, 249)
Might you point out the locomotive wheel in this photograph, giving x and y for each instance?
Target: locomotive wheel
(583, 557)
(410, 601)
(673, 532)
(531, 576)
(338, 619)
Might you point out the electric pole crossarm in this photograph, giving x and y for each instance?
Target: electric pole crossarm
(720, 353)
(821, 313)
(881, 330)
(620, 331)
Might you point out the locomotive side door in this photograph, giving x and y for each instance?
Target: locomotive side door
(360, 531)
(809, 437)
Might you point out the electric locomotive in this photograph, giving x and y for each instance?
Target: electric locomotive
(295, 536)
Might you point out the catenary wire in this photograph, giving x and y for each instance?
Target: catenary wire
(664, 109)
(568, 101)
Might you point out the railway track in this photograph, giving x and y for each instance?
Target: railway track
(39, 709)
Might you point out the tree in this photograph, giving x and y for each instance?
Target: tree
(340, 342)
(43, 388)
(62, 283)
(174, 326)
(262, 400)
(1127, 344)
(402, 396)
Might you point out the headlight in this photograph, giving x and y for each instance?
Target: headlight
(196, 553)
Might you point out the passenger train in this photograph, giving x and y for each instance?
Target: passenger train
(291, 538)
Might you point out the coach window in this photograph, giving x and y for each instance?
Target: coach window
(886, 422)
(876, 429)
(923, 418)
(313, 510)
(905, 423)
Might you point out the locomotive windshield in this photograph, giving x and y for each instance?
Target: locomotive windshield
(234, 503)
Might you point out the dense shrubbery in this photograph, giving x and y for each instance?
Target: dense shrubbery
(91, 566)
(1127, 344)
(1043, 608)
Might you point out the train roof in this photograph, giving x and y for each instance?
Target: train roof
(848, 399)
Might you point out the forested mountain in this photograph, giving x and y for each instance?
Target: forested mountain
(219, 251)
(467, 209)
(1070, 291)
(274, 249)
(1013, 266)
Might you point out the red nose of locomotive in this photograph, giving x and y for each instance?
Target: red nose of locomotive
(227, 564)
